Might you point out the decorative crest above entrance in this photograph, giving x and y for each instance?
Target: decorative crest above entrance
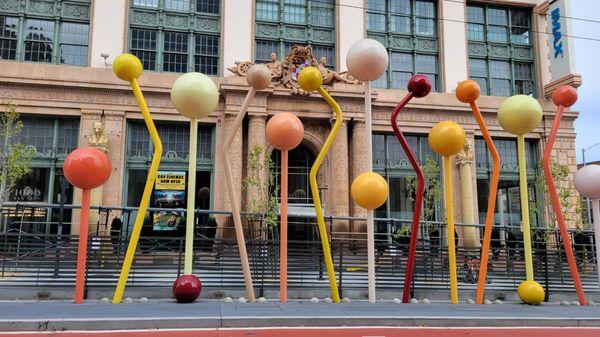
(285, 73)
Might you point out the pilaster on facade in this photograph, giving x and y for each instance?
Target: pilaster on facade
(108, 31)
(454, 54)
(237, 37)
(358, 165)
(339, 191)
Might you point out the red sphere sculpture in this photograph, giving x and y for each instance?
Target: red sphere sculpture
(565, 95)
(419, 85)
(187, 288)
(87, 168)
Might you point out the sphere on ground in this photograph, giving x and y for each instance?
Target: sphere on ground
(564, 95)
(531, 292)
(447, 138)
(258, 77)
(367, 60)
(520, 114)
(310, 79)
(284, 131)
(369, 190)
(194, 95)
(468, 91)
(587, 181)
(419, 85)
(127, 67)
(187, 288)
(87, 168)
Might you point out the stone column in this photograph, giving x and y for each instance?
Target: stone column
(453, 56)
(359, 165)
(256, 137)
(339, 196)
(108, 30)
(464, 161)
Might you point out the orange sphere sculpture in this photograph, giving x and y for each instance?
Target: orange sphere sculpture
(468, 91)
(87, 168)
(285, 131)
(565, 95)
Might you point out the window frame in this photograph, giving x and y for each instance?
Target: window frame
(191, 23)
(475, 44)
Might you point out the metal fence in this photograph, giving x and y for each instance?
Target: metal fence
(49, 259)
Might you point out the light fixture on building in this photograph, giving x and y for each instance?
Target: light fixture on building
(105, 57)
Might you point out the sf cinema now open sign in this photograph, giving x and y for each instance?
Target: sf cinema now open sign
(170, 180)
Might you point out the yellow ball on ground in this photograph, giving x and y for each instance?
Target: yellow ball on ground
(531, 292)
(310, 79)
(194, 95)
(447, 138)
(127, 67)
(520, 114)
(369, 190)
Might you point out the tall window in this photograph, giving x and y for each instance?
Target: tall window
(501, 56)
(280, 24)
(176, 35)
(409, 31)
(49, 31)
(508, 204)
(390, 160)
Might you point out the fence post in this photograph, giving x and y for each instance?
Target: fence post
(546, 280)
(179, 257)
(340, 266)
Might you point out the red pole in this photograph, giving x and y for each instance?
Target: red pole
(556, 205)
(283, 230)
(410, 264)
(82, 247)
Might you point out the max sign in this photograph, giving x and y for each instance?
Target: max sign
(560, 44)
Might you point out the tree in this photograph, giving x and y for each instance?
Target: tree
(15, 158)
(261, 181)
(433, 189)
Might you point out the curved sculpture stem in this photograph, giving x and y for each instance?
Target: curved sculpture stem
(489, 217)
(139, 219)
(556, 206)
(317, 199)
(410, 264)
(235, 208)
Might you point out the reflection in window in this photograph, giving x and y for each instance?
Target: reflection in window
(39, 40)
(8, 37)
(506, 30)
(74, 43)
(406, 21)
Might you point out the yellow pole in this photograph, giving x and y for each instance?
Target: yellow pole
(139, 219)
(450, 230)
(315, 193)
(525, 207)
(191, 199)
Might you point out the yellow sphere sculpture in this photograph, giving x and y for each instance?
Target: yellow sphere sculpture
(531, 292)
(447, 138)
(520, 114)
(310, 79)
(127, 67)
(194, 95)
(369, 190)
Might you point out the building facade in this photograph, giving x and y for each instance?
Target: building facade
(56, 67)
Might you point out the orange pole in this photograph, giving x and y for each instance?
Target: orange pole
(489, 217)
(82, 247)
(556, 206)
(283, 230)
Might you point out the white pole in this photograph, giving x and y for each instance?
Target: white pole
(370, 221)
(596, 215)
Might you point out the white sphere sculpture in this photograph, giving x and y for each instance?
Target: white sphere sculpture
(587, 181)
(194, 95)
(367, 60)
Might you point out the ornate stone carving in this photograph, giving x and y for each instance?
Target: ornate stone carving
(10, 5)
(285, 73)
(41, 7)
(97, 138)
(465, 156)
(76, 11)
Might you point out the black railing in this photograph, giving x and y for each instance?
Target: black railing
(42, 259)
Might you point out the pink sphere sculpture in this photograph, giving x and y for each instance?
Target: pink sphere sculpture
(419, 85)
(587, 181)
(258, 76)
(367, 60)
(187, 288)
(285, 131)
(87, 168)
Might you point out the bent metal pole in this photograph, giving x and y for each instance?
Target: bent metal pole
(418, 86)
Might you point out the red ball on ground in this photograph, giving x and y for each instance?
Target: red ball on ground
(565, 95)
(419, 85)
(87, 168)
(187, 288)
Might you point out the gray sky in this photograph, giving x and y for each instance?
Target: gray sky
(587, 63)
